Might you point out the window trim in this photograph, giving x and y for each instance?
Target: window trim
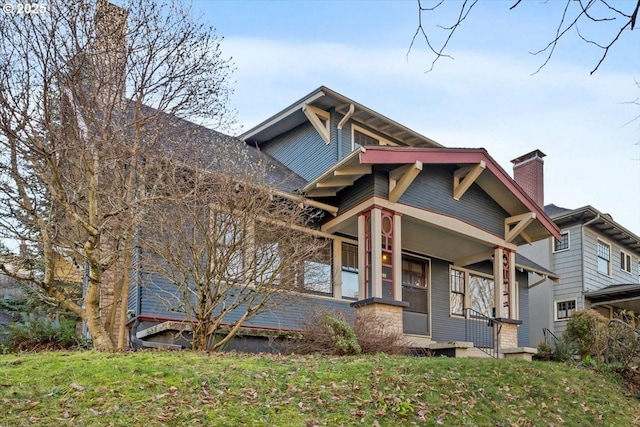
(555, 309)
(627, 266)
(555, 250)
(466, 301)
(598, 257)
(381, 139)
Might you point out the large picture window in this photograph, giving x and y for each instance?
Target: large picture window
(471, 290)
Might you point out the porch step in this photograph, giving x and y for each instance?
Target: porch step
(520, 353)
(162, 327)
(456, 349)
(476, 353)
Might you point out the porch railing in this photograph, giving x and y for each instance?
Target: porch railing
(483, 332)
(549, 338)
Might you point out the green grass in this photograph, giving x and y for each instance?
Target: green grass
(185, 388)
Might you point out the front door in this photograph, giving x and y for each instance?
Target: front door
(415, 291)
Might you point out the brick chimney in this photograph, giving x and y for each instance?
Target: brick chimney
(111, 50)
(528, 172)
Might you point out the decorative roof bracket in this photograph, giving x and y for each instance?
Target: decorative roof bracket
(316, 117)
(401, 178)
(464, 177)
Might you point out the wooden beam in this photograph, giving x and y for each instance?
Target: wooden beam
(401, 178)
(314, 114)
(472, 259)
(321, 192)
(515, 225)
(464, 177)
(353, 170)
(336, 182)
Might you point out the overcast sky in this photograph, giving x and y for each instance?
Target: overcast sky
(485, 97)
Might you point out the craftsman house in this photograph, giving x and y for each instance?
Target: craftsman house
(596, 261)
(422, 235)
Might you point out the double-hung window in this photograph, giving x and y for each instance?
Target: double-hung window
(625, 261)
(564, 309)
(349, 271)
(604, 258)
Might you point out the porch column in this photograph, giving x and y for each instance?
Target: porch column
(498, 282)
(376, 253)
(362, 253)
(504, 275)
(337, 268)
(397, 257)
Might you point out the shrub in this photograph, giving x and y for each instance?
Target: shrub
(587, 331)
(37, 332)
(374, 335)
(325, 333)
(329, 333)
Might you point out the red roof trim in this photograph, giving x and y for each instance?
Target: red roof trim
(405, 155)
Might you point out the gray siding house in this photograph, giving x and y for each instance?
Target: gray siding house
(595, 263)
(424, 236)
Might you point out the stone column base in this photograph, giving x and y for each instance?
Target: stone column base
(389, 311)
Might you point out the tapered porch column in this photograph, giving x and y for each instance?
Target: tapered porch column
(504, 274)
(380, 263)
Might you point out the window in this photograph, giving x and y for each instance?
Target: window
(361, 137)
(563, 244)
(481, 295)
(415, 276)
(317, 272)
(349, 271)
(457, 292)
(604, 258)
(564, 309)
(625, 261)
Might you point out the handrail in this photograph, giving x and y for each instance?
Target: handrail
(483, 332)
(548, 336)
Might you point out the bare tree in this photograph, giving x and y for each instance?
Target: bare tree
(89, 94)
(620, 16)
(224, 247)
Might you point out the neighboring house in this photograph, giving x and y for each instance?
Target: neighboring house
(423, 236)
(596, 260)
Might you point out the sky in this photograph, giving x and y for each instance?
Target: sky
(487, 95)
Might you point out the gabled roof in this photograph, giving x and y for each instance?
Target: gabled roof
(494, 180)
(326, 99)
(601, 222)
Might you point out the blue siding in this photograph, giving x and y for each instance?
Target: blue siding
(433, 190)
(360, 191)
(523, 308)
(445, 327)
(303, 151)
(160, 300)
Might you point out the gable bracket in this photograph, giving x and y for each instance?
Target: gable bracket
(464, 177)
(401, 178)
(515, 225)
(315, 116)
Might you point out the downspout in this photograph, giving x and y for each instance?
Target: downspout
(346, 117)
(591, 221)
